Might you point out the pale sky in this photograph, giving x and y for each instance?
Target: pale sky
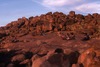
(11, 10)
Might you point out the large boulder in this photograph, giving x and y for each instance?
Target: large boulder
(55, 58)
(18, 58)
(89, 58)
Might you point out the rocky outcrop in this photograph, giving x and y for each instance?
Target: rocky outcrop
(56, 59)
(51, 40)
(56, 21)
(89, 58)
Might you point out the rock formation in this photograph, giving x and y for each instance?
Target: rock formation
(51, 40)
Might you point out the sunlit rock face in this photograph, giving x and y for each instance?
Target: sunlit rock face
(51, 40)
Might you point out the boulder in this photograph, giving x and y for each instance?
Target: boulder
(72, 13)
(88, 58)
(56, 58)
(18, 58)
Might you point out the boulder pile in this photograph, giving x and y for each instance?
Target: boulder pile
(51, 40)
(56, 21)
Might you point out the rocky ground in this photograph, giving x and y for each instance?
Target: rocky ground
(51, 40)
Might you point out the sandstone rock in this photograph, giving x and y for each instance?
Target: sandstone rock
(25, 61)
(56, 21)
(28, 33)
(51, 59)
(21, 24)
(39, 62)
(72, 13)
(87, 59)
(18, 58)
(35, 57)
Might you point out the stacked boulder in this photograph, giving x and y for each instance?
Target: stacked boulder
(56, 21)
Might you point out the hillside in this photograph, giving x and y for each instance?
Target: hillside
(51, 40)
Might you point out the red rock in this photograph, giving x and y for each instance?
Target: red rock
(18, 58)
(19, 41)
(87, 59)
(72, 13)
(25, 61)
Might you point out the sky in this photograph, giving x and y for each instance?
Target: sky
(11, 10)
